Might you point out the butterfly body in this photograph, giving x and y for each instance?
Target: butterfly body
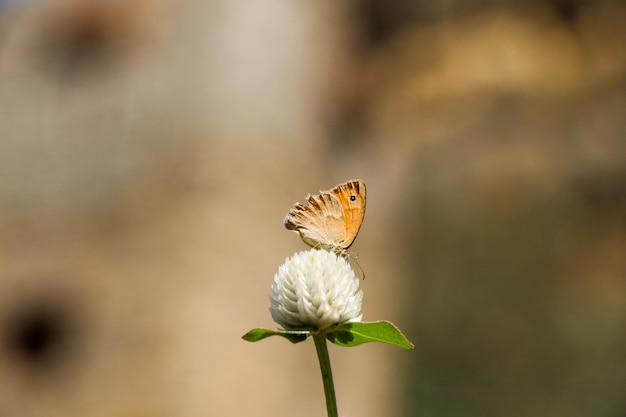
(332, 219)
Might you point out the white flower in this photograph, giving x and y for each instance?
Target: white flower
(315, 288)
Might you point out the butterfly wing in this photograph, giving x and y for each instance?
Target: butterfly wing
(331, 219)
(319, 221)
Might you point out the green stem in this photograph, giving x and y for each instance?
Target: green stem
(327, 373)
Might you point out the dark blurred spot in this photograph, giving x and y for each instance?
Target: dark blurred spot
(76, 46)
(89, 37)
(84, 42)
(567, 10)
(603, 189)
(40, 334)
(378, 21)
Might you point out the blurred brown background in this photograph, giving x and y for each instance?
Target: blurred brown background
(149, 150)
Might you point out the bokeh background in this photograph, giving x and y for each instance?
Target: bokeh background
(149, 150)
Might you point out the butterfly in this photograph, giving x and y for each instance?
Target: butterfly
(332, 219)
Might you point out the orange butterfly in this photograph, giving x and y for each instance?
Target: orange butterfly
(332, 219)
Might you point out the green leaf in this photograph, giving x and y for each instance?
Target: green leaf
(294, 336)
(357, 333)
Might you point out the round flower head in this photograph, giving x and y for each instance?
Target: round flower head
(315, 288)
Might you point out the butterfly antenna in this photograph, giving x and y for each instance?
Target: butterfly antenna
(355, 257)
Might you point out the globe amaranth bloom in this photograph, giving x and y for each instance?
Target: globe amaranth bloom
(315, 288)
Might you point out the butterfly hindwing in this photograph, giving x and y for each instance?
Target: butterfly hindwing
(318, 221)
